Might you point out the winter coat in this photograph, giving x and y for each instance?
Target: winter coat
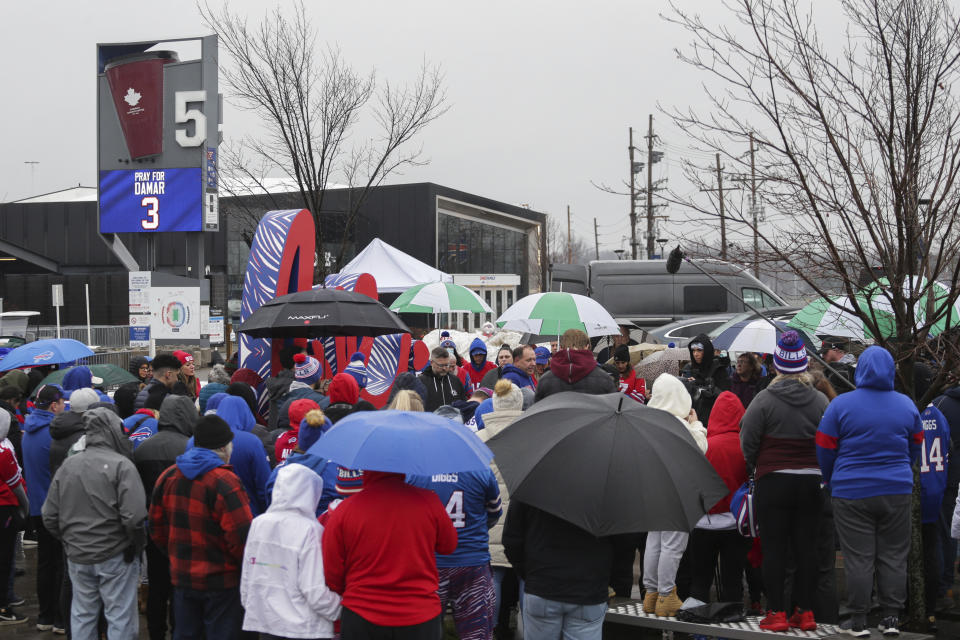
(746, 390)
(159, 451)
(710, 376)
(668, 394)
(495, 422)
(96, 503)
(441, 390)
(633, 386)
(949, 405)
(574, 370)
(36, 456)
(869, 438)
(517, 376)
(65, 429)
(140, 426)
(297, 391)
(477, 373)
(142, 396)
(557, 560)
(723, 446)
(208, 390)
(277, 386)
(490, 378)
(282, 586)
(778, 429)
(248, 459)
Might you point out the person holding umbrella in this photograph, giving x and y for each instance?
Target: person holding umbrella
(661, 557)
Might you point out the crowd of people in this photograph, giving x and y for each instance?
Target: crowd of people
(208, 499)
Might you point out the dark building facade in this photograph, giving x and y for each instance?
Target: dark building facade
(53, 240)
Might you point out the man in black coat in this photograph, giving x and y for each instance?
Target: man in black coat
(443, 387)
(573, 368)
(949, 405)
(175, 426)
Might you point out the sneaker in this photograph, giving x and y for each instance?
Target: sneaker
(16, 601)
(803, 620)
(650, 601)
(44, 627)
(889, 626)
(854, 628)
(775, 621)
(9, 616)
(668, 605)
(60, 631)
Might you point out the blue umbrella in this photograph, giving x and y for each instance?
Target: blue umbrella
(409, 442)
(44, 352)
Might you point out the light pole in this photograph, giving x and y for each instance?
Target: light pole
(33, 167)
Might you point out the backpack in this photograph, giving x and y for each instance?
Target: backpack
(742, 508)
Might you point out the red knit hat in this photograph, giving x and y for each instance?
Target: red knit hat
(344, 388)
(298, 409)
(183, 357)
(248, 376)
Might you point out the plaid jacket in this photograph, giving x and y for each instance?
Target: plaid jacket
(202, 526)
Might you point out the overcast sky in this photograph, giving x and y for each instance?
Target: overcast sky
(541, 92)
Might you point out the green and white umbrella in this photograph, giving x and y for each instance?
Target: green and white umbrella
(439, 297)
(555, 312)
(835, 316)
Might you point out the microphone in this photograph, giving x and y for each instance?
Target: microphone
(674, 260)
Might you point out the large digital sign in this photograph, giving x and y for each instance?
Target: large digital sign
(136, 200)
(158, 129)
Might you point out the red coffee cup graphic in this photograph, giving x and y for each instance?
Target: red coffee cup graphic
(136, 84)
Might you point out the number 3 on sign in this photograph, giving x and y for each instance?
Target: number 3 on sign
(152, 221)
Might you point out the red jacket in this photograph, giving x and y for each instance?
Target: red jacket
(378, 550)
(723, 445)
(633, 386)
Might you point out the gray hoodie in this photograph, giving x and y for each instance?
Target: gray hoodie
(96, 504)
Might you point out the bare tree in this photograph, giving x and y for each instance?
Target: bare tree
(309, 100)
(857, 150)
(558, 251)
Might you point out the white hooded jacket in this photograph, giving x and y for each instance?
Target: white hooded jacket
(669, 394)
(282, 586)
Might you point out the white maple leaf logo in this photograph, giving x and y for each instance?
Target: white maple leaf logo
(132, 97)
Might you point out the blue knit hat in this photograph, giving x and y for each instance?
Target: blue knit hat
(357, 369)
(306, 369)
(790, 356)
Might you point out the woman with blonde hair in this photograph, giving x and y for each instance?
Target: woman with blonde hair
(406, 400)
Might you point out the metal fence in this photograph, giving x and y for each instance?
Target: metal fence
(103, 335)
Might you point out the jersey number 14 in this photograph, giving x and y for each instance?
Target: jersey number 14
(932, 458)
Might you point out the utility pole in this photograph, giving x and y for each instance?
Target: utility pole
(723, 220)
(753, 210)
(633, 201)
(596, 239)
(33, 169)
(650, 234)
(569, 239)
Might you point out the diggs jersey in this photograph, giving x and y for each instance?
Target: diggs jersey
(934, 459)
(472, 501)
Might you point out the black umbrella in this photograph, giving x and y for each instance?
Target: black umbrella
(607, 464)
(322, 312)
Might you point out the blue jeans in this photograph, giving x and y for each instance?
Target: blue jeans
(215, 614)
(111, 583)
(551, 620)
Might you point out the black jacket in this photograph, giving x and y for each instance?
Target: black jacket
(710, 377)
(574, 370)
(557, 560)
(277, 387)
(441, 390)
(949, 405)
(65, 429)
(159, 451)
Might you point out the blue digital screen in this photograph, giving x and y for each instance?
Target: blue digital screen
(151, 200)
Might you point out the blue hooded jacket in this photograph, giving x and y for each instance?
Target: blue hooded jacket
(868, 438)
(214, 401)
(78, 378)
(248, 459)
(517, 376)
(36, 457)
(196, 462)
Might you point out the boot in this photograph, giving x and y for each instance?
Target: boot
(668, 605)
(650, 601)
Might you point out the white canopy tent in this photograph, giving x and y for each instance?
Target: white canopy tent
(394, 270)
